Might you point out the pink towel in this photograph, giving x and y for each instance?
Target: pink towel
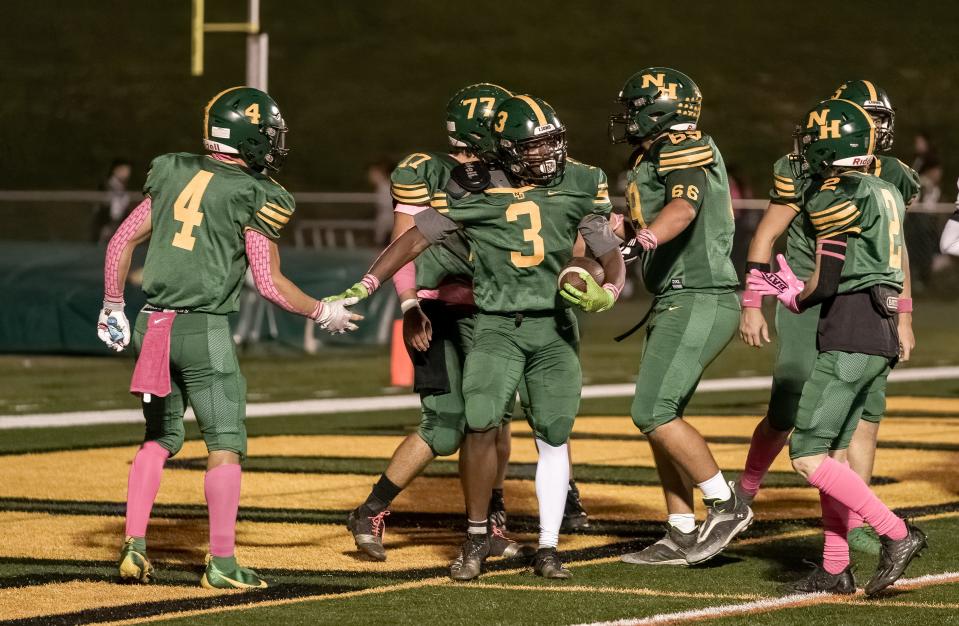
(152, 372)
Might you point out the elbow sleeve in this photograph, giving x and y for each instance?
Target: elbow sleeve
(112, 289)
(598, 234)
(258, 255)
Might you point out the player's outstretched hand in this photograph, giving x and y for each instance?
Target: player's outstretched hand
(113, 329)
(417, 329)
(782, 284)
(595, 299)
(358, 291)
(336, 317)
(753, 328)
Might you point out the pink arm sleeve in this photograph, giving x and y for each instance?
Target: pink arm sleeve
(112, 289)
(405, 278)
(258, 254)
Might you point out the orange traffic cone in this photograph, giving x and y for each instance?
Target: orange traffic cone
(401, 366)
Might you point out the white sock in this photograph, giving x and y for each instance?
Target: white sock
(552, 483)
(477, 527)
(715, 488)
(683, 522)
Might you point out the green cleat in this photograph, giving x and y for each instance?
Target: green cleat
(235, 577)
(864, 539)
(134, 565)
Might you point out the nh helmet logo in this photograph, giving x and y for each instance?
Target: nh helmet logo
(828, 129)
(665, 90)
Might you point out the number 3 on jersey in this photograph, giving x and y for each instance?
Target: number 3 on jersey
(531, 234)
(186, 209)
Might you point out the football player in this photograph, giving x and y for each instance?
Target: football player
(796, 355)
(207, 218)
(857, 278)
(521, 217)
(436, 297)
(678, 196)
(949, 240)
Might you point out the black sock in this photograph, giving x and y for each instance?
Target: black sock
(572, 486)
(497, 495)
(383, 493)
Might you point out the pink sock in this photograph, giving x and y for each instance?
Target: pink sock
(835, 550)
(143, 485)
(837, 480)
(222, 488)
(855, 520)
(763, 450)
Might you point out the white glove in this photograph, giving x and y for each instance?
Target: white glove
(336, 317)
(113, 328)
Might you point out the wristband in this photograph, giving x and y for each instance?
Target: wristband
(613, 290)
(904, 305)
(317, 311)
(371, 282)
(113, 305)
(752, 299)
(408, 304)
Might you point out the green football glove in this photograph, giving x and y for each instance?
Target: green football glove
(594, 300)
(357, 291)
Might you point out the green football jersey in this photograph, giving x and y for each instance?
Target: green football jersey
(521, 237)
(420, 180)
(870, 212)
(200, 209)
(699, 258)
(793, 192)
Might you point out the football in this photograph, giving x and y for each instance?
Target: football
(569, 275)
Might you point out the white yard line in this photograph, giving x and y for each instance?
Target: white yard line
(412, 401)
(767, 604)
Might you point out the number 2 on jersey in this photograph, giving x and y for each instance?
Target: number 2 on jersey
(531, 234)
(186, 209)
(895, 231)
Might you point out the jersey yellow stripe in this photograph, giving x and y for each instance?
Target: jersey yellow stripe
(540, 116)
(404, 193)
(675, 153)
(784, 186)
(785, 179)
(439, 194)
(832, 209)
(438, 204)
(851, 229)
(840, 222)
(872, 90)
(794, 207)
(206, 110)
(835, 217)
(419, 200)
(269, 221)
(664, 162)
(683, 166)
(279, 217)
(878, 163)
(280, 209)
(523, 189)
(413, 186)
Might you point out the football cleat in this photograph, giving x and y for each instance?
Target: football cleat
(134, 566)
(819, 580)
(670, 550)
(864, 539)
(547, 564)
(894, 557)
(236, 578)
(503, 546)
(368, 532)
(473, 553)
(574, 516)
(724, 520)
(497, 510)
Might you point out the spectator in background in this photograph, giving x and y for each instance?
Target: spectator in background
(108, 215)
(378, 173)
(922, 232)
(746, 219)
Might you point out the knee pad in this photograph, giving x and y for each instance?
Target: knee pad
(482, 414)
(443, 441)
(171, 442)
(556, 431)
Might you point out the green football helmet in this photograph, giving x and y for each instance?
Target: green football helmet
(468, 115)
(875, 100)
(837, 133)
(530, 140)
(656, 99)
(246, 122)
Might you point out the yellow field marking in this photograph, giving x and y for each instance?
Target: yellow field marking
(919, 404)
(40, 600)
(641, 591)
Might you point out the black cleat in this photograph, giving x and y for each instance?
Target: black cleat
(895, 558)
(473, 553)
(497, 509)
(368, 532)
(670, 550)
(547, 564)
(819, 580)
(724, 520)
(575, 516)
(503, 546)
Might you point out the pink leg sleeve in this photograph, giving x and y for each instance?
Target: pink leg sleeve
(763, 450)
(112, 289)
(143, 485)
(835, 551)
(839, 481)
(222, 487)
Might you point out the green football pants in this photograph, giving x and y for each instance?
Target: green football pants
(543, 349)
(205, 373)
(685, 332)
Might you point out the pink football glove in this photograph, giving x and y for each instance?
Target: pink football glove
(782, 284)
